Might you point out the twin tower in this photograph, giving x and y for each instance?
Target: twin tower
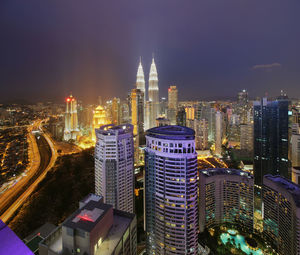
(151, 105)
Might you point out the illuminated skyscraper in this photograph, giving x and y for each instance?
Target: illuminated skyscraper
(172, 104)
(140, 80)
(71, 120)
(242, 106)
(153, 94)
(114, 171)
(246, 138)
(171, 198)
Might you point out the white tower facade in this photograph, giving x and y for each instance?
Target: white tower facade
(140, 79)
(71, 119)
(153, 96)
(114, 166)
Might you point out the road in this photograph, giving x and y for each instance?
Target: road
(14, 197)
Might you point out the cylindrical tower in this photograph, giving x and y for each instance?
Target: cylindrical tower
(171, 199)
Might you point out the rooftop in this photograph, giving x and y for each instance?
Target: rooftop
(87, 217)
(225, 171)
(288, 185)
(112, 129)
(172, 132)
(11, 243)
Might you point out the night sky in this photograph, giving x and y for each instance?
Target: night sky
(208, 48)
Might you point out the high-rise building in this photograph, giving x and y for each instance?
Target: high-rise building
(137, 119)
(99, 119)
(225, 196)
(271, 144)
(71, 120)
(201, 130)
(140, 80)
(219, 133)
(209, 113)
(171, 199)
(163, 107)
(114, 171)
(295, 142)
(172, 104)
(153, 96)
(282, 214)
(95, 229)
(116, 111)
(242, 106)
(246, 138)
(181, 117)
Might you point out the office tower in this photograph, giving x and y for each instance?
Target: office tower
(71, 120)
(125, 113)
(201, 134)
(270, 139)
(95, 228)
(172, 104)
(163, 107)
(153, 95)
(209, 114)
(219, 133)
(171, 200)
(242, 106)
(114, 172)
(181, 117)
(246, 138)
(282, 214)
(140, 80)
(137, 119)
(99, 119)
(225, 196)
(295, 142)
(116, 112)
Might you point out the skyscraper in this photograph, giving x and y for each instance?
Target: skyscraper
(153, 94)
(114, 171)
(242, 106)
(171, 199)
(137, 119)
(219, 132)
(246, 138)
(172, 104)
(270, 139)
(99, 119)
(116, 111)
(71, 119)
(140, 80)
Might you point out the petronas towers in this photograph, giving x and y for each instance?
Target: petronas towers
(152, 104)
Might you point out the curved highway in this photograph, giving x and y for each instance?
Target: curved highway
(13, 198)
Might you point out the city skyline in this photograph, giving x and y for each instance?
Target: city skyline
(232, 46)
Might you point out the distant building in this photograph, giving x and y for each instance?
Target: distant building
(181, 117)
(140, 80)
(225, 196)
(172, 104)
(162, 122)
(95, 229)
(171, 198)
(242, 106)
(295, 142)
(99, 119)
(71, 120)
(114, 166)
(116, 111)
(296, 174)
(281, 200)
(246, 138)
(271, 144)
(219, 133)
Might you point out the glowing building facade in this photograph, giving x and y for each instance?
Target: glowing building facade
(219, 133)
(225, 196)
(99, 119)
(140, 80)
(171, 198)
(172, 104)
(281, 200)
(114, 166)
(71, 119)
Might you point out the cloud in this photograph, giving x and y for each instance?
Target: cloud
(267, 67)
